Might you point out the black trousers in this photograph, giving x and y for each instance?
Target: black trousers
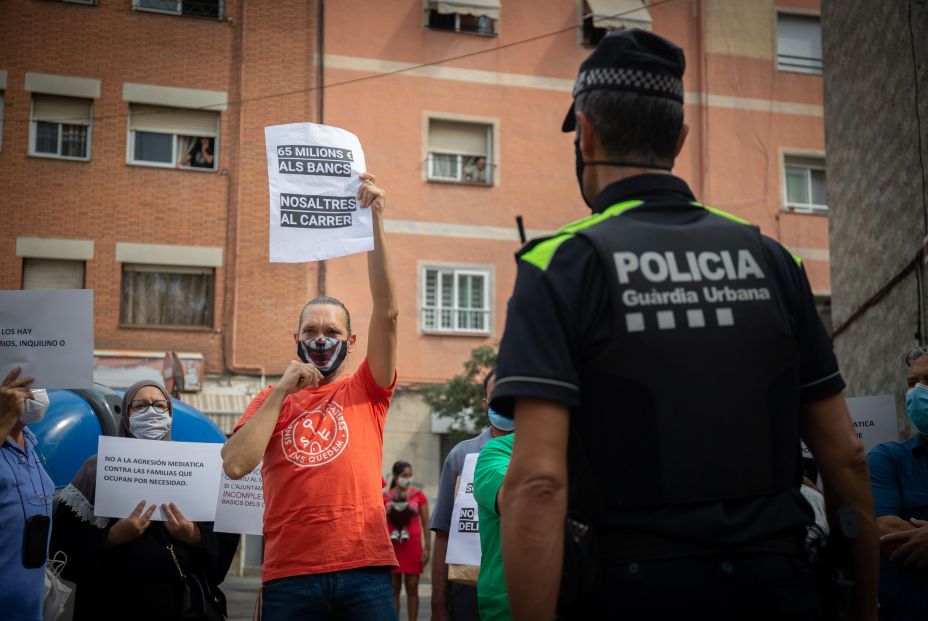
(730, 586)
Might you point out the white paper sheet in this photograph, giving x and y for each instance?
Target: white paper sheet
(240, 506)
(874, 421)
(49, 334)
(159, 472)
(464, 538)
(313, 181)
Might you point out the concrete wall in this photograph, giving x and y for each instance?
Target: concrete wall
(875, 183)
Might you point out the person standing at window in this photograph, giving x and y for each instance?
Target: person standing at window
(25, 501)
(200, 154)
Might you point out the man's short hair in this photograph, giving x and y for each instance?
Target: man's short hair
(486, 378)
(327, 300)
(634, 128)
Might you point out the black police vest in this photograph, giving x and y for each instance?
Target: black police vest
(696, 396)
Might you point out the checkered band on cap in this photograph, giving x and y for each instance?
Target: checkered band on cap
(629, 79)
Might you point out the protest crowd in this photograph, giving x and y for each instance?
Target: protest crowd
(697, 506)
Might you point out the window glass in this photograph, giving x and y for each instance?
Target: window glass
(797, 189)
(818, 187)
(455, 301)
(46, 137)
(166, 298)
(152, 147)
(74, 140)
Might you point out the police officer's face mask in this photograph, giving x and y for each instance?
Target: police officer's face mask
(325, 352)
(916, 404)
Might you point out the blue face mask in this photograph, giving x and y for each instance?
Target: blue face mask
(501, 422)
(916, 404)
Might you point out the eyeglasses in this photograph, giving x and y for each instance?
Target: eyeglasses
(916, 353)
(140, 405)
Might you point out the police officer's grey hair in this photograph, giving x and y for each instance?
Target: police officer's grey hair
(633, 127)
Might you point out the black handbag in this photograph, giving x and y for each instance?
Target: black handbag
(581, 574)
(198, 600)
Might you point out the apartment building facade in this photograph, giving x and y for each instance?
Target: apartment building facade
(132, 162)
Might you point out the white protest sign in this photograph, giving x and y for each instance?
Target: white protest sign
(159, 472)
(464, 538)
(49, 334)
(313, 173)
(874, 421)
(240, 506)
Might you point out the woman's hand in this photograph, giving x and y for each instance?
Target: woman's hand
(426, 553)
(130, 528)
(180, 527)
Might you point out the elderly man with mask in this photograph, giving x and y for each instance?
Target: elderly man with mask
(899, 477)
(25, 501)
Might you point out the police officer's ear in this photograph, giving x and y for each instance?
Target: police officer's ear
(589, 140)
(684, 132)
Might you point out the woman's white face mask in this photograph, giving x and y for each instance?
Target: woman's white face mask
(150, 425)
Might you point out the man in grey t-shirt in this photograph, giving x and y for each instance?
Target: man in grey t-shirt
(452, 601)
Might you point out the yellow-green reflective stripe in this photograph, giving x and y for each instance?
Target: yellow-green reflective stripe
(725, 214)
(541, 255)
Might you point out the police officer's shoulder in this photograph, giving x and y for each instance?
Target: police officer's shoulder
(541, 251)
(775, 246)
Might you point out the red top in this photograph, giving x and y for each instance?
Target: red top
(322, 483)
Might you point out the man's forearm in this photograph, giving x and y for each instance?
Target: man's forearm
(533, 505)
(383, 295)
(440, 573)
(246, 447)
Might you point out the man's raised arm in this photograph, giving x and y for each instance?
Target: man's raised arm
(381, 340)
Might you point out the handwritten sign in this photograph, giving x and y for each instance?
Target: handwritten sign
(49, 334)
(240, 506)
(313, 182)
(464, 538)
(159, 472)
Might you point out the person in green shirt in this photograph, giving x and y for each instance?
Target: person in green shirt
(492, 598)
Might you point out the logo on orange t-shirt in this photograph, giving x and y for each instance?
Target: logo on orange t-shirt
(316, 438)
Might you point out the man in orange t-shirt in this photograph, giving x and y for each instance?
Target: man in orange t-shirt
(320, 433)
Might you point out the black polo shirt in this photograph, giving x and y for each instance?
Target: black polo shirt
(561, 315)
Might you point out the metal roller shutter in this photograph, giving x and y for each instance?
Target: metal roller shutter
(458, 138)
(173, 120)
(69, 110)
(52, 274)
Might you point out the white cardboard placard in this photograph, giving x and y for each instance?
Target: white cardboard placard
(240, 505)
(49, 334)
(130, 470)
(313, 183)
(874, 420)
(464, 538)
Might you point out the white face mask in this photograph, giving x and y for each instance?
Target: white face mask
(403, 481)
(150, 425)
(34, 409)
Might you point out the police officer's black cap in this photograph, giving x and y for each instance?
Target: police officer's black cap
(631, 60)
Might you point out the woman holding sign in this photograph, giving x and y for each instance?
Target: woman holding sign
(132, 568)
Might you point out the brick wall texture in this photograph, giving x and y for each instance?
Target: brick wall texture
(877, 219)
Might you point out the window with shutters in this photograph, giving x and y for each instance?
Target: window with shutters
(599, 17)
(459, 152)
(473, 16)
(455, 300)
(173, 137)
(799, 43)
(167, 296)
(60, 127)
(804, 186)
(52, 274)
(190, 8)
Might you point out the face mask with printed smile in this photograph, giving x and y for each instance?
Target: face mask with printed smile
(325, 352)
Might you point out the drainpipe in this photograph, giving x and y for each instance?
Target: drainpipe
(320, 108)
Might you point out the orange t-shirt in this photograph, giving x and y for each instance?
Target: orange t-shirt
(323, 508)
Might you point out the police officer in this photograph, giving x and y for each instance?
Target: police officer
(663, 359)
